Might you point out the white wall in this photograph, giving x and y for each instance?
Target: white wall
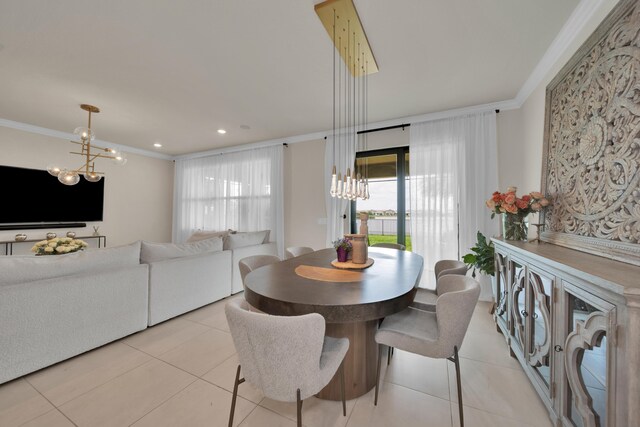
(138, 196)
(305, 212)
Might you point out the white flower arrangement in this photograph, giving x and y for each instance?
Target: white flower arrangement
(58, 246)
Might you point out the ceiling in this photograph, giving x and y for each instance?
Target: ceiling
(174, 72)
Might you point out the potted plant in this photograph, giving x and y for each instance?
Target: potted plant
(342, 247)
(481, 257)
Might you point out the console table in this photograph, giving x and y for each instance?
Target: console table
(573, 322)
(101, 241)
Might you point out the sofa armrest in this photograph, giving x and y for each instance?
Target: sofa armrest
(183, 284)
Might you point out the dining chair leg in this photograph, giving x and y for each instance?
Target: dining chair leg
(344, 402)
(299, 405)
(388, 355)
(235, 395)
(375, 401)
(457, 363)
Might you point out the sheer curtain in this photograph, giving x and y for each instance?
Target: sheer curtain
(453, 166)
(342, 154)
(240, 191)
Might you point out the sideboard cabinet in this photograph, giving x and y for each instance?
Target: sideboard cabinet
(573, 322)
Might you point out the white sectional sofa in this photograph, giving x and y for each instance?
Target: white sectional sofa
(185, 277)
(56, 307)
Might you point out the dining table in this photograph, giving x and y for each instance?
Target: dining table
(352, 301)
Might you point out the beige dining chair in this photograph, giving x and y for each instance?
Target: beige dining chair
(287, 357)
(426, 298)
(397, 246)
(295, 251)
(250, 263)
(436, 334)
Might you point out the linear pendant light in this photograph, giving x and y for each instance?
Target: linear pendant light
(350, 96)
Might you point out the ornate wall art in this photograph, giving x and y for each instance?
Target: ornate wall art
(591, 164)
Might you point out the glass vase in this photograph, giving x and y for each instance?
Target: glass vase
(515, 227)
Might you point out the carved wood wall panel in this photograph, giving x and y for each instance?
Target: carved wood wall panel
(591, 169)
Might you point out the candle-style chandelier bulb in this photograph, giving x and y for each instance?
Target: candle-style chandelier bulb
(334, 183)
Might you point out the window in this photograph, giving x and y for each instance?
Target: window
(388, 172)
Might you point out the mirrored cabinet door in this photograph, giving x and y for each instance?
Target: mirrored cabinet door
(518, 303)
(540, 323)
(588, 354)
(502, 290)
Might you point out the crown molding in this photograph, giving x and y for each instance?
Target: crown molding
(567, 35)
(26, 127)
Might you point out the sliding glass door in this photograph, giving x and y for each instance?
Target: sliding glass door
(388, 172)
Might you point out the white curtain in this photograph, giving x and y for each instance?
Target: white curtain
(342, 154)
(453, 166)
(240, 191)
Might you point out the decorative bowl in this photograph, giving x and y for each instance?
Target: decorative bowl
(21, 237)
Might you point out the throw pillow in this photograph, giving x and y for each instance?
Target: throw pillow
(203, 235)
(152, 252)
(251, 238)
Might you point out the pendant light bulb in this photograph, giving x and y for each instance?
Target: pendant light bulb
(354, 185)
(334, 183)
(339, 190)
(345, 190)
(347, 187)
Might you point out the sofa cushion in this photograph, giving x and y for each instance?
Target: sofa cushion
(203, 235)
(28, 268)
(152, 252)
(251, 238)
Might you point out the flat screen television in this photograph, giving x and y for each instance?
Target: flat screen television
(35, 196)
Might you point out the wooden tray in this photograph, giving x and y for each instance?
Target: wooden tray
(349, 265)
(328, 274)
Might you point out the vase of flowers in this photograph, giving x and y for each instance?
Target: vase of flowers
(515, 210)
(342, 247)
(58, 246)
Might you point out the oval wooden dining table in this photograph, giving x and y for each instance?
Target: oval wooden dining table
(351, 301)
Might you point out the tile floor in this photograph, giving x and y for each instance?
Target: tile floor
(180, 373)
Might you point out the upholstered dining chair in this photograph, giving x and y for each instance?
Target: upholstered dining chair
(250, 263)
(295, 251)
(397, 246)
(426, 298)
(436, 334)
(287, 357)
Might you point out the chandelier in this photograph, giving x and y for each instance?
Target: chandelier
(89, 153)
(350, 91)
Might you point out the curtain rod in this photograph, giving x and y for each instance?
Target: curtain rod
(404, 125)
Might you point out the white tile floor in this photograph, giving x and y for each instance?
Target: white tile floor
(180, 373)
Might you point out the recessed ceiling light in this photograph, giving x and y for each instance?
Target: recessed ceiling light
(222, 131)
(157, 145)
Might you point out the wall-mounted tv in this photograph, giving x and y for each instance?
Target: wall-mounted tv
(34, 196)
